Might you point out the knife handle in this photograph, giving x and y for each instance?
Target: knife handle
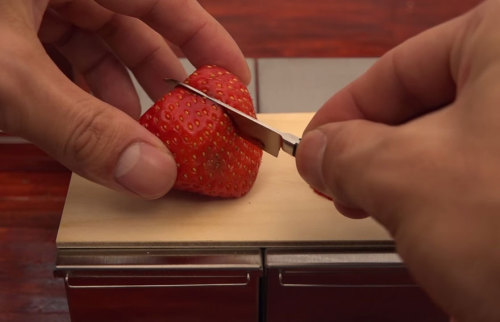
(289, 143)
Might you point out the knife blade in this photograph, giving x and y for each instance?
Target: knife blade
(270, 139)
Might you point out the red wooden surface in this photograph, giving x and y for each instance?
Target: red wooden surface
(326, 28)
(33, 186)
(32, 192)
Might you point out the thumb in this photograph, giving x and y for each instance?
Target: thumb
(340, 160)
(88, 136)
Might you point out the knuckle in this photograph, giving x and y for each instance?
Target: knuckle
(88, 140)
(346, 155)
(359, 162)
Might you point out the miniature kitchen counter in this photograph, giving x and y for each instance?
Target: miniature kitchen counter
(191, 258)
(280, 209)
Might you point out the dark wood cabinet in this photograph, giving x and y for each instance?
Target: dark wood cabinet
(111, 285)
(332, 285)
(272, 285)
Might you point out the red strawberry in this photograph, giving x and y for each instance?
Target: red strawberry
(321, 194)
(212, 159)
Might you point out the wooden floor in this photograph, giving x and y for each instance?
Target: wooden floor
(33, 186)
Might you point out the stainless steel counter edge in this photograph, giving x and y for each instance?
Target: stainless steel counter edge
(146, 259)
(367, 244)
(302, 258)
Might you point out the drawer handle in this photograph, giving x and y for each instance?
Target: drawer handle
(122, 286)
(285, 284)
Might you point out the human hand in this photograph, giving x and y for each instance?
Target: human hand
(414, 142)
(96, 135)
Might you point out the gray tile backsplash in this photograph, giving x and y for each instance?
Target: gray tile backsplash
(284, 84)
(291, 84)
(304, 84)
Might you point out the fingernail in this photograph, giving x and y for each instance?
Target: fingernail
(146, 170)
(310, 156)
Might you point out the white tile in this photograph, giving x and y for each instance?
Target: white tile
(146, 102)
(304, 84)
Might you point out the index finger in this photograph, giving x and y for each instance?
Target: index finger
(186, 24)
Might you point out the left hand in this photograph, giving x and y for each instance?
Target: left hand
(97, 135)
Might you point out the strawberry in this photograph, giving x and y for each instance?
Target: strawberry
(212, 159)
(321, 194)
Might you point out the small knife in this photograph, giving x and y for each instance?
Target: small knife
(271, 140)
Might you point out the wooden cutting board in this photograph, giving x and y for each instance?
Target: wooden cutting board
(280, 209)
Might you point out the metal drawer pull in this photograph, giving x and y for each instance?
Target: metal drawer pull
(285, 284)
(114, 286)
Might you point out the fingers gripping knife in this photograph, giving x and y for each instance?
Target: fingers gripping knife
(271, 140)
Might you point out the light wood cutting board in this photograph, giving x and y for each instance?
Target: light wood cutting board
(280, 209)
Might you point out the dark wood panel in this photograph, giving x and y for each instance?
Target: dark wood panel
(28, 290)
(27, 317)
(184, 295)
(32, 192)
(326, 28)
(26, 157)
(354, 294)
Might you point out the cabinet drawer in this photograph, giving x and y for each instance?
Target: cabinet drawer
(159, 286)
(344, 287)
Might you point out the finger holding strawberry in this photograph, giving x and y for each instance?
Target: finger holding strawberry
(93, 129)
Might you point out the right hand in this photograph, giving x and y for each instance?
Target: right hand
(415, 143)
